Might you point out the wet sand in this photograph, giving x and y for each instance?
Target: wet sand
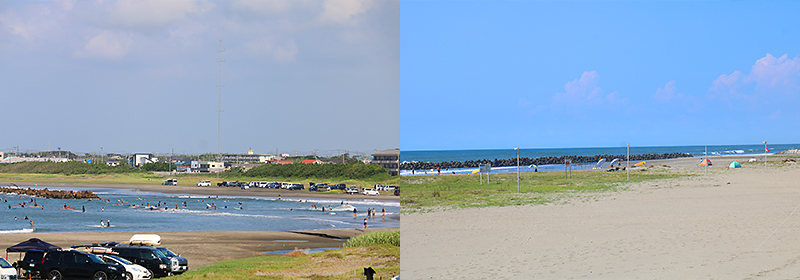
(739, 223)
(202, 247)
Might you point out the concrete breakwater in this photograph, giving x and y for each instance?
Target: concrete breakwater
(45, 193)
(537, 161)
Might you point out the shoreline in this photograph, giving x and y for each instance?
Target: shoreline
(202, 248)
(210, 191)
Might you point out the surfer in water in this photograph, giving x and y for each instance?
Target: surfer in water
(108, 223)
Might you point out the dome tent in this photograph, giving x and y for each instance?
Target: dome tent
(735, 164)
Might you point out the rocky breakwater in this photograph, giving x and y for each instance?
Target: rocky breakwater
(536, 161)
(45, 193)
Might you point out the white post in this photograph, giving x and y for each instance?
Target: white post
(705, 155)
(628, 162)
(765, 156)
(517, 168)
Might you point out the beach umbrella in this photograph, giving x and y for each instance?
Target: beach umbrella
(735, 164)
(600, 162)
(705, 162)
(615, 161)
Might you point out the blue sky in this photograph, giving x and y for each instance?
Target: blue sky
(141, 76)
(534, 74)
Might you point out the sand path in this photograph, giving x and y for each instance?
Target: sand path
(694, 228)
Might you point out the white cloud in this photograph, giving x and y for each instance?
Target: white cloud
(14, 25)
(105, 45)
(262, 7)
(776, 73)
(769, 75)
(668, 93)
(284, 52)
(344, 11)
(584, 89)
(149, 15)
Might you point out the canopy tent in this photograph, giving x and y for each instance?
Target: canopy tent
(735, 164)
(32, 244)
(705, 162)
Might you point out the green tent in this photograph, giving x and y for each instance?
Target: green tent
(735, 164)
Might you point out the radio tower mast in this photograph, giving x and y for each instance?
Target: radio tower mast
(219, 101)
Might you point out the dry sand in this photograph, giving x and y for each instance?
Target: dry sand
(202, 247)
(731, 224)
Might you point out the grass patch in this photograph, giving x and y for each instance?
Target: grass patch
(429, 192)
(378, 237)
(347, 263)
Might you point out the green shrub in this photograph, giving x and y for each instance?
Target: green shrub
(66, 168)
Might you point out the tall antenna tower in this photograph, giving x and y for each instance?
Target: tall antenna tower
(219, 101)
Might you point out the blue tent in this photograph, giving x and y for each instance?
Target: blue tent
(735, 164)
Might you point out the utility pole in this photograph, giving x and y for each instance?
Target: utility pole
(219, 101)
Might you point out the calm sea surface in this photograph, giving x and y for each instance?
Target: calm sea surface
(233, 213)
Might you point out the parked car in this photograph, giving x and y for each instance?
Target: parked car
(170, 182)
(370, 192)
(338, 187)
(204, 183)
(351, 190)
(389, 188)
(296, 186)
(151, 258)
(132, 271)
(6, 270)
(72, 264)
(179, 264)
(274, 185)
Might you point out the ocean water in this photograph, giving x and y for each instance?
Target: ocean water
(463, 155)
(241, 213)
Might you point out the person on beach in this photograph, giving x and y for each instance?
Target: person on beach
(354, 212)
(102, 223)
(383, 212)
(365, 223)
(108, 223)
(83, 208)
(31, 223)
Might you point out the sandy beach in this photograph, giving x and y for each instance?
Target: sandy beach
(210, 191)
(203, 247)
(732, 224)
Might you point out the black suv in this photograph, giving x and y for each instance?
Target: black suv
(151, 258)
(179, 264)
(71, 264)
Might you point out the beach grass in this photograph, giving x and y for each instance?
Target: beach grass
(347, 263)
(377, 237)
(426, 193)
